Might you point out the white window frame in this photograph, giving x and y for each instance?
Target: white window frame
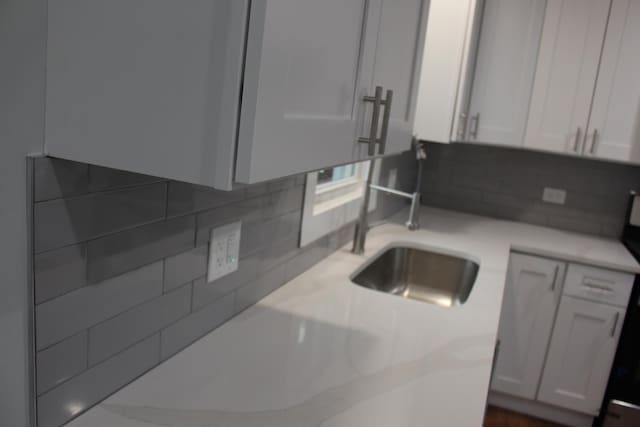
(330, 206)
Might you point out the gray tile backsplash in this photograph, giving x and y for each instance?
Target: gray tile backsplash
(185, 331)
(69, 314)
(63, 222)
(120, 270)
(70, 398)
(121, 252)
(508, 184)
(101, 178)
(116, 334)
(61, 361)
(55, 178)
(60, 271)
(185, 267)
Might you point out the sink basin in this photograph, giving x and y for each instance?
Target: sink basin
(432, 277)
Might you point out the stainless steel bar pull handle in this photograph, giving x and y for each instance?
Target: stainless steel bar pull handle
(462, 126)
(373, 131)
(594, 142)
(475, 123)
(576, 144)
(615, 324)
(385, 121)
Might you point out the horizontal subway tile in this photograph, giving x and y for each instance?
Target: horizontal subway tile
(252, 238)
(59, 271)
(187, 330)
(128, 250)
(185, 267)
(283, 202)
(257, 190)
(205, 292)
(574, 224)
(69, 314)
(101, 178)
(64, 222)
(68, 400)
(341, 237)
(281, 184)
(247, 211)
(55, 178)
(309, 256)
(612, 228)
(188, 198)
(62, 361)
(279, 252)
(120, 332)
(283, 227)
(253, 292)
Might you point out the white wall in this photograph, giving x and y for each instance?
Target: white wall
(22, 67)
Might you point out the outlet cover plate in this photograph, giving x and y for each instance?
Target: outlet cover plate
(554, 195)
(224, 250)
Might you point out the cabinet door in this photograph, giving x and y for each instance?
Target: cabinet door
(148, 86)
(398, 59)
(570, 49)
(614, 128)
(503, 78)
(530, 300)
(309, 64)
(447, 64)
(580, 355)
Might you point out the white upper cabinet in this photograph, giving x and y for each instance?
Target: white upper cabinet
(397, 64)
(614, 128)
(447, 65)
(504, 72)
(568, 60)
(478, 70)
(218, 92)
(582, 349)
(309, 65)
(149, 86)
(531, 296)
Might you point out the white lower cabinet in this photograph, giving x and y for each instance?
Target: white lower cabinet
(530, 301)
(582, 348)
(557, 343)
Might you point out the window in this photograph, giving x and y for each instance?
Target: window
(332, 199)
(337, 174)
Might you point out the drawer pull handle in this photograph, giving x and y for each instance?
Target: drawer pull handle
(598, 288)
(615, 324)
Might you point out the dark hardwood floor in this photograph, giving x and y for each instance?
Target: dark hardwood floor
(497, 417)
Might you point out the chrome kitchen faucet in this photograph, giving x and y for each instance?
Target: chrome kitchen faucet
(413, 223)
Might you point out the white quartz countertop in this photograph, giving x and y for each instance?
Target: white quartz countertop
(321, 351)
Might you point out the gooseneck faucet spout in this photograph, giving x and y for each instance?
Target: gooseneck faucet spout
(413, 223)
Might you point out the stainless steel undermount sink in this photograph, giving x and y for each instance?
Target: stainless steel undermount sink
(419, 274)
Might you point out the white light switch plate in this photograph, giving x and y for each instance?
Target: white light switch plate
(224, 250)
(554, 195)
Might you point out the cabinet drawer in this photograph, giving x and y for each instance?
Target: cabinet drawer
(595, 284)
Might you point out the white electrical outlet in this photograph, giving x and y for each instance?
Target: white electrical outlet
(224, 250)
(554, 195)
